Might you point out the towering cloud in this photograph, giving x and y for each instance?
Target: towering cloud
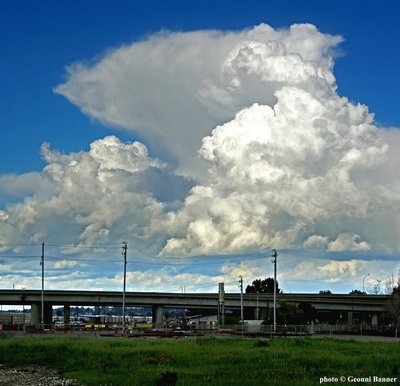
(289, 176)
(173, 88)
(273, 155)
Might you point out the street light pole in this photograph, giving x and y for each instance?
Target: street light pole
(23, 310)
(42, 310)
(124, 252)
(274, 255)
(257, 309)
(241, 300)
(364, 279)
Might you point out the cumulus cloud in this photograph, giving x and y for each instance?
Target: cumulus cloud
(272, 156)
(294, 163)
(173, 87)
(64, 264)
(343, 242)
(153, 280)
(286, 176)
(348, 242)
(96, 197)
(298, 275)
(14, 187)
(332, 273)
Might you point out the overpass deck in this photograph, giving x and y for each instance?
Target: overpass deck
(340, 302)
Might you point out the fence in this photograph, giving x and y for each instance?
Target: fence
(249, 330)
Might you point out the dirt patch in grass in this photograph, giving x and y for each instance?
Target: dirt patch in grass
(32, 376)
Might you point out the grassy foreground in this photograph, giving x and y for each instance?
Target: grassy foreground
(114, 361)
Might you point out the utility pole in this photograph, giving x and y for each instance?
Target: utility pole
(274, 256)
(23, 310)
(221, 306)
(257, 309)
(241, 300)
(124, 252)
(42, 264)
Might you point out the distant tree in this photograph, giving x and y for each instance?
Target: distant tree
(357, 292)
(286, 313)
(309, 312)
(376, 289)
(393, 306)
(289, 313)
(325, 292)
(265, 286)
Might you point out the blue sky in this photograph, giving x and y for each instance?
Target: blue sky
(40, 40)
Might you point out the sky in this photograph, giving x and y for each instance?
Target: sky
(203, 134)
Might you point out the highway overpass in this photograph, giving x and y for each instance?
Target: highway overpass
(348, 304)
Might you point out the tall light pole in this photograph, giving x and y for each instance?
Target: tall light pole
(42, 264)
(23, 309)
(221, 306)
(257, 309)
(241, 299)
(274, 255)
(124, 252)
(364, 279)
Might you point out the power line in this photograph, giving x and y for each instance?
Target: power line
(23, 256)
(19, 244)
(210, 260)
(80, 246)
(82, 260)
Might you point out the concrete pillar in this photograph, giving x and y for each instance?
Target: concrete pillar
(48, 313)
(263, 313)
(36, 314)
(221, 304)
(256, 313)
(158, 314)
(350, 317)
(67, 313)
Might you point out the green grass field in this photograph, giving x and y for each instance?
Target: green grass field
(203, 361)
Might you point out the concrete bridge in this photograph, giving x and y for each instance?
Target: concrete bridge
(348, 304)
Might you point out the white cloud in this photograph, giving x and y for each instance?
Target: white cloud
(280, 175)
(289, 164)
(295, 274)
(97, 197)
(348, 242)
(297, 162)
(343, 242)
(64, 264)
(335, 274)
(173, 87)
(316, 241)
(16, 187)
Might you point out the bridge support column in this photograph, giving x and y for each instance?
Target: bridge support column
(262, 313)
(256, 314)
(158, 314)
(67, 314)
(350, 317)
(36, 314)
